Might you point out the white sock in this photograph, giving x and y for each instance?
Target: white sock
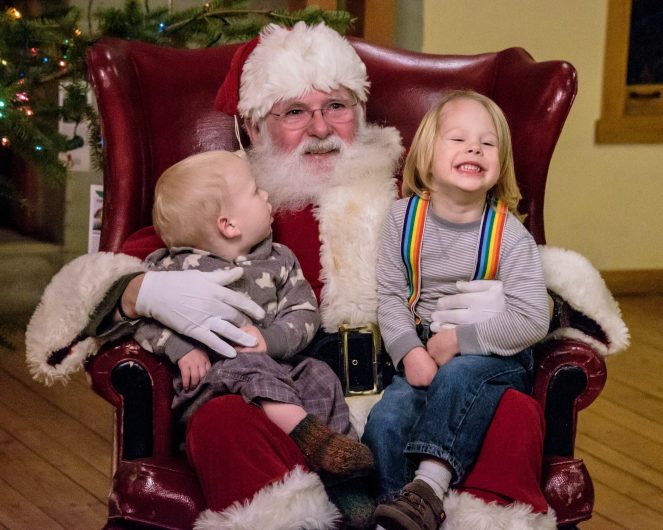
(436, 474)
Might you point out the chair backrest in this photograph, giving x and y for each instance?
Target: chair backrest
(156, 107)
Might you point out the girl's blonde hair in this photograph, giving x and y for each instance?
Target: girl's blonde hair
(188, 198)
(417, 172)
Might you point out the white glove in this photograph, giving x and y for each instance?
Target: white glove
(477, 300)
(197, 304)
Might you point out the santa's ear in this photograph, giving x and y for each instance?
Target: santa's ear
(253, 130)
(227, 227)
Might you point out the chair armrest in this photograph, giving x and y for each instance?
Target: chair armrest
(139, 385)
(569, 376)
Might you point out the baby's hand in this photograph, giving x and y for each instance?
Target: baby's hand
(193, 367)
(420, 368)
(261, 347)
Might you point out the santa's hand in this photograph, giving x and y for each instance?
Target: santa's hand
(197, 304)
(477, 300)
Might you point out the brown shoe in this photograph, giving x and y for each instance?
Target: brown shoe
(416, 507)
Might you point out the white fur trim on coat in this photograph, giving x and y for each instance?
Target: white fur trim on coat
(350, 214)
(467, 512)
(64, 311)
(298, 502)
(575, 279)
(288, 63)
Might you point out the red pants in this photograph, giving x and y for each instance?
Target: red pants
(236, 451)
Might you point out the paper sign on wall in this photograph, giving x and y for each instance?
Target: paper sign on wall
(94, 226)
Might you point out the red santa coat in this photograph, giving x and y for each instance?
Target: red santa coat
(247, 466)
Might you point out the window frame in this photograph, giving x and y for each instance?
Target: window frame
(619, 121)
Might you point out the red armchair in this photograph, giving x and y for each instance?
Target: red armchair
(156, 107)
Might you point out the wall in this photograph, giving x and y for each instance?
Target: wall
(602, 200)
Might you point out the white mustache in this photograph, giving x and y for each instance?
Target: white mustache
(332, 143)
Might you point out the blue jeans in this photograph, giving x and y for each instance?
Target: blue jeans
(447, 420)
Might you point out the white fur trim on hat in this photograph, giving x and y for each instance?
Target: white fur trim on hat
(297, 502)
(288, 63)
(64, 311)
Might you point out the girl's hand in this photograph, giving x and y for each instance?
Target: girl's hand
(260, 347)
(193, 367)
(443, 346)
(420, 368)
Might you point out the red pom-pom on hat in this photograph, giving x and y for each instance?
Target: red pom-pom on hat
(227, 97)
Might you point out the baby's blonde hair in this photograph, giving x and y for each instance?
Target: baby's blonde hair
(417, 172)
(188, 198)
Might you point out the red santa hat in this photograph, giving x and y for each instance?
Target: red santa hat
(287, 63)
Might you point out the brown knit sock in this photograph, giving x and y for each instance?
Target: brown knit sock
(330, 451)
(352, 499)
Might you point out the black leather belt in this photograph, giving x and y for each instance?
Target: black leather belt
(355, 354)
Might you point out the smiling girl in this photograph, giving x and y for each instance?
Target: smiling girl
(457, 222)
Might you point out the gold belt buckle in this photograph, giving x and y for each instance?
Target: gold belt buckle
(376, 346)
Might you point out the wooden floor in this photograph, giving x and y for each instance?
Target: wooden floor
(55, 442)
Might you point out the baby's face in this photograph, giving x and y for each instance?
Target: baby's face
(251, 209)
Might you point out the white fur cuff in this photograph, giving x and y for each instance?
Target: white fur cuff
(467, 512)
(575, 279)
(64, 311)
(297, 502)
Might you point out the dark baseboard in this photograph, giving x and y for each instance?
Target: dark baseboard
(631, 282)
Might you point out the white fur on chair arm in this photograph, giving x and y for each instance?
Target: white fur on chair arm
(64, 312)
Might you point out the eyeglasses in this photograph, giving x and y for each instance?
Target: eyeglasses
(335, 113)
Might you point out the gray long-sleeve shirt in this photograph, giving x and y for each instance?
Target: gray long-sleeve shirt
(448, 254)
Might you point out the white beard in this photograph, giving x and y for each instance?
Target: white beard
(285, 177)
(351, 195)
(294, 181)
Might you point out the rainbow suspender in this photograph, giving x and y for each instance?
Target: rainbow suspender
(488, 250)
(490, 240)
(413, 235)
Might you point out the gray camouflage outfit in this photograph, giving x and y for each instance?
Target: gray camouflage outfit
(274, 280)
